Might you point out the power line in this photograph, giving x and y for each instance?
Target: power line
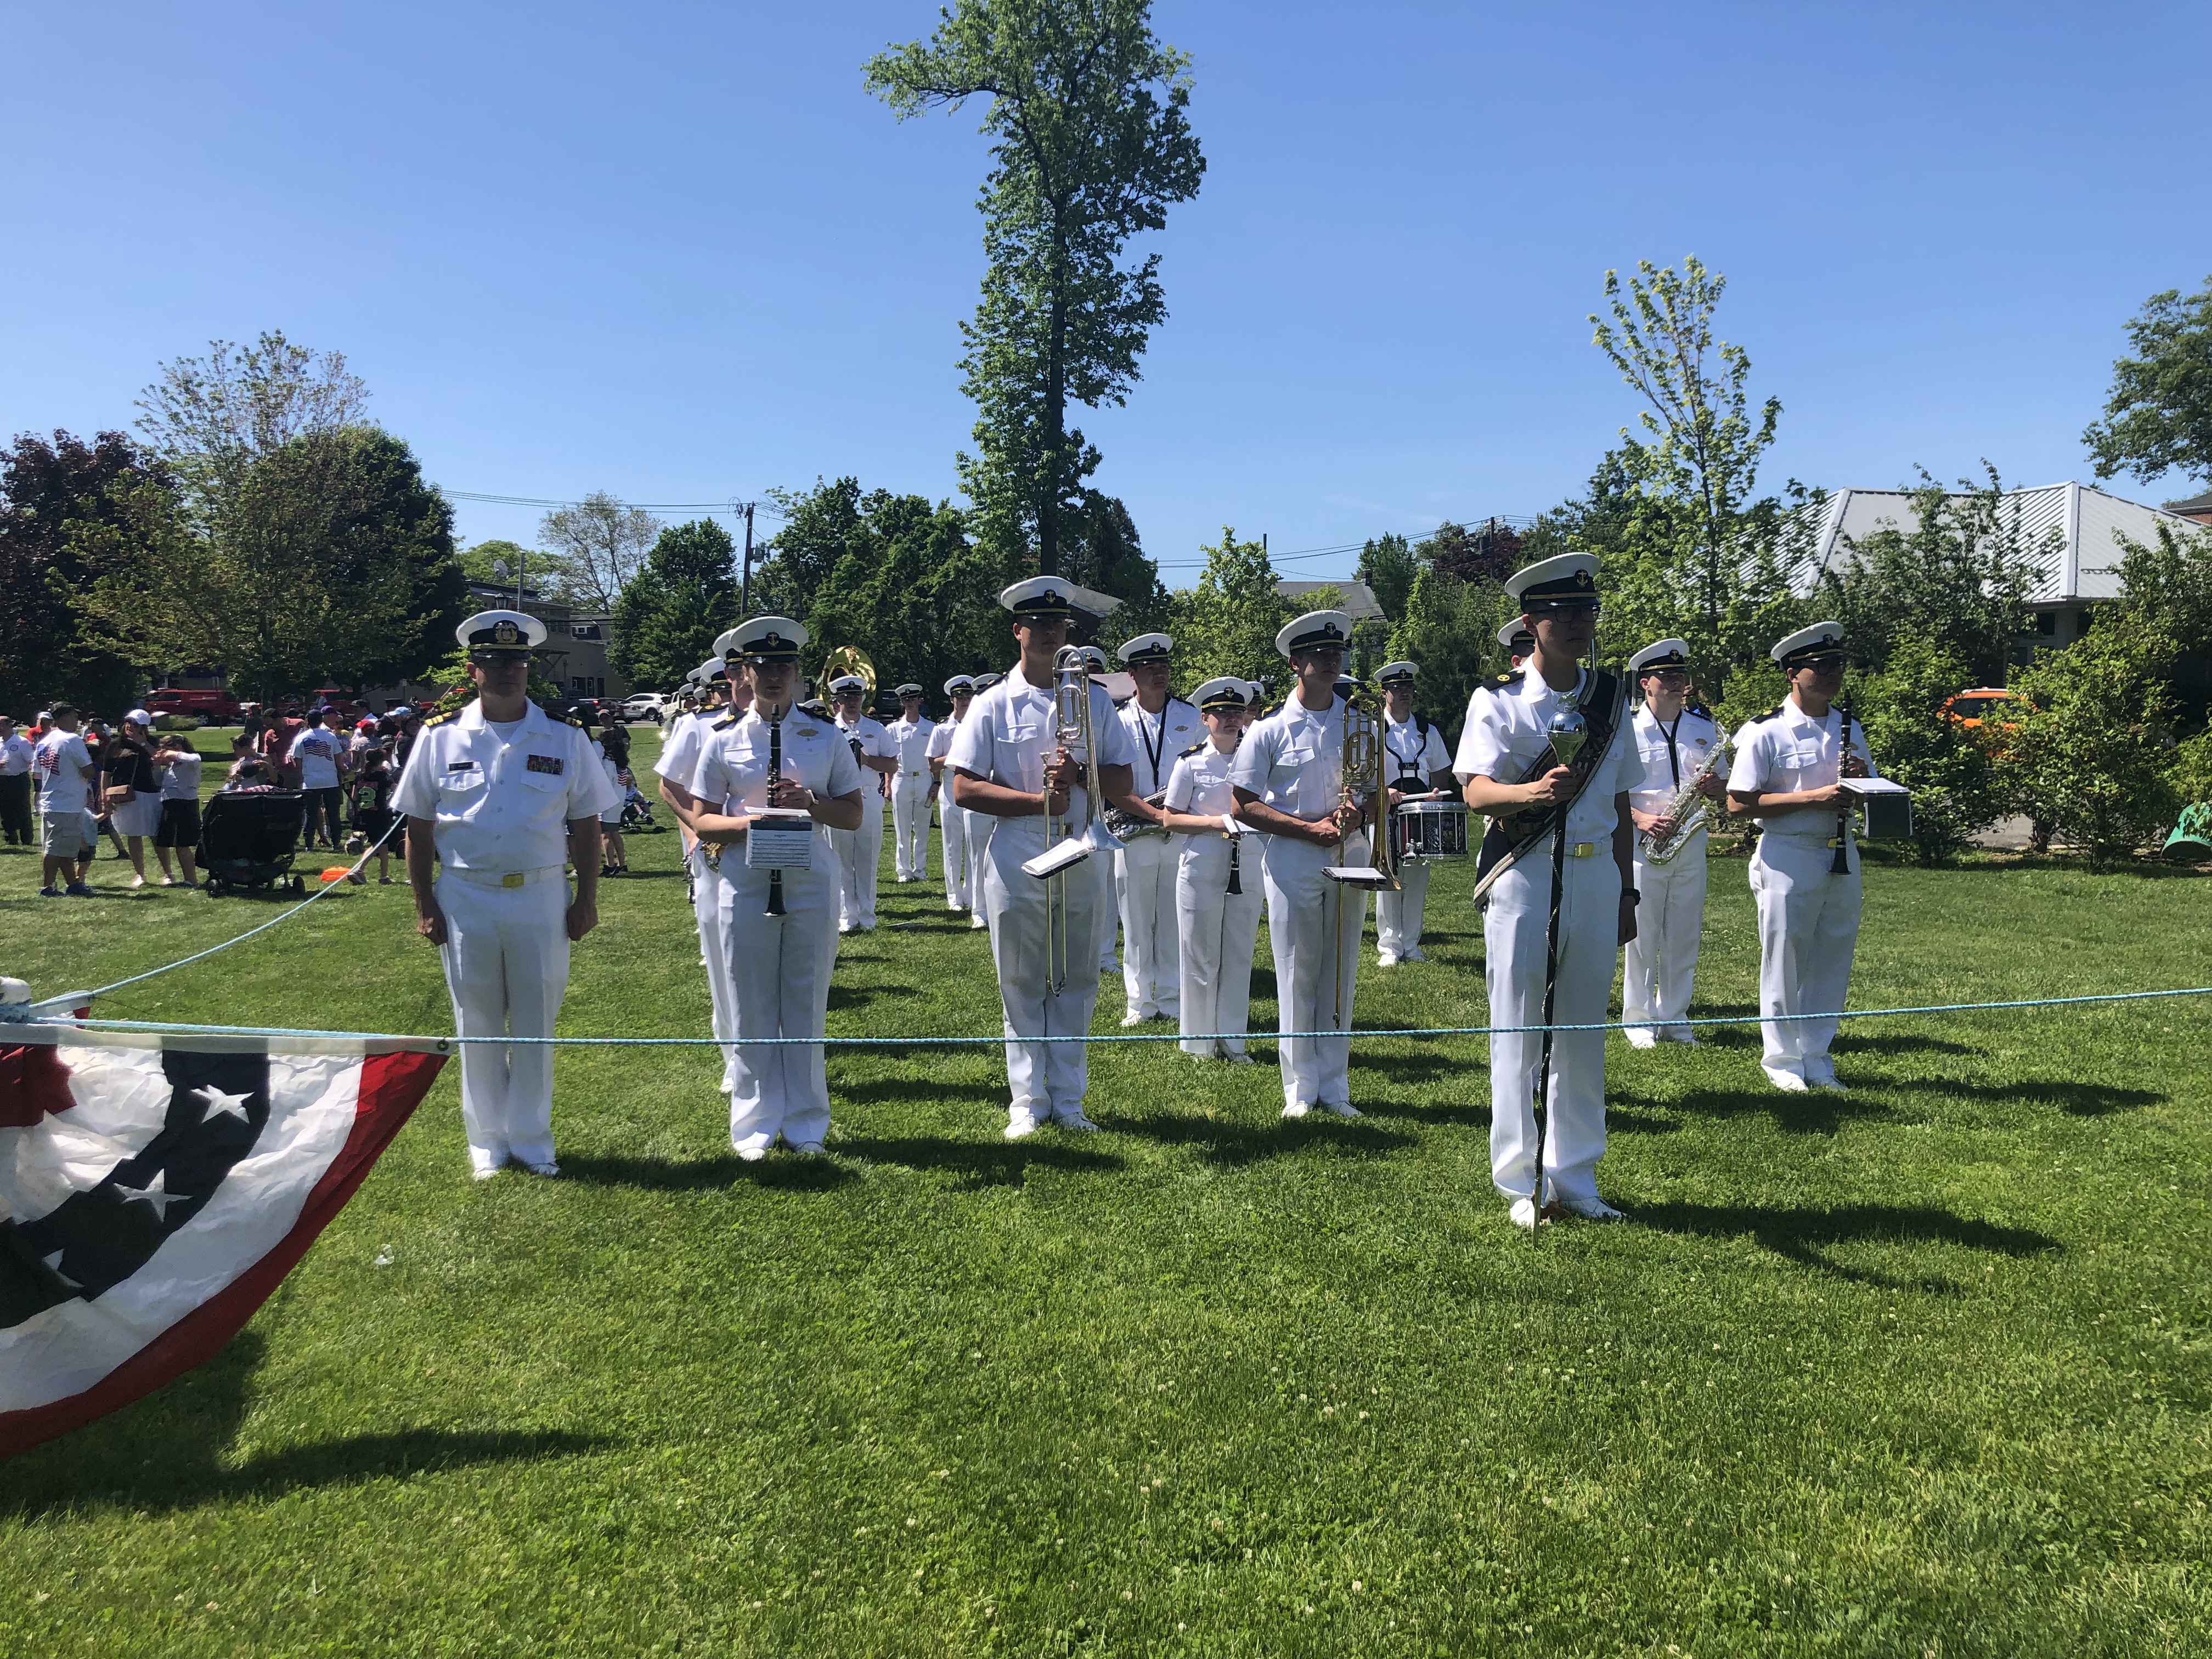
(736, 509)
(1514, 519)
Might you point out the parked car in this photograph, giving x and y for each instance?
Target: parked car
(213, 707)
(645, 705)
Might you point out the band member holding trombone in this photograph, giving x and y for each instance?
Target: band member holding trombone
(1684, 773)
(1018, 761)
(1415, 761)
(758, 772)
(1218, 884)
(1552, 925)
(1163, 726)
(1290, 784)
(1805, 874)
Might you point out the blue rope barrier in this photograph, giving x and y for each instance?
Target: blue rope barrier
(1000, 1039)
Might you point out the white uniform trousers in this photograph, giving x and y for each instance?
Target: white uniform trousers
(952, 833)
(910, 827)
(705, 906)
(1398, 916)
(1513, 933)
(779, 970)
(859, 852)
(1105, 872)
(1311, 958)
(1046, 1079)
(1215, 930)
(979, 842)
(1809, 926)
(507, 967)
(1663, 957)
(1145, 884)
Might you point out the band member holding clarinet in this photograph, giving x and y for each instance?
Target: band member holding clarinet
(1144, 870)
(779, 910)
(1011, 769)
(1418, 763)
(1682, 757)
(1805, 875)
(1218, 887)
(952, 823)
(1554, 923)
(1289, 779)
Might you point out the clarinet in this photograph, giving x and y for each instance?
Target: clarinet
(1235, 848)
(1842, 867)
(775, 777)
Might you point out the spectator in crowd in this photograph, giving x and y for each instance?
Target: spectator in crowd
(372, 809)
(313, 757)
(274, 742)
(63, 765)
(358, 745)
(16, 751)
(132, 789)
(614, 757)
(103, 822)
(179, 828)
(248, 775)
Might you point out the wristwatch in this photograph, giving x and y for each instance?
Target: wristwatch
(1632, 894)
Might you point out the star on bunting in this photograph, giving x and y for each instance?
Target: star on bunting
(156, 1193)
(235, 1105)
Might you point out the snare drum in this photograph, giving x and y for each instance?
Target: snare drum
(1428, 829)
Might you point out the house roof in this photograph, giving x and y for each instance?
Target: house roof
(2197, 506)
(2083, 563)
(1356, 599)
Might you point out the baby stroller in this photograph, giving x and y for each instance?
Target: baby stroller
(637, 813)
(247, 839)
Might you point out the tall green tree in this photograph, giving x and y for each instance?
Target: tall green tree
(1229, 621)
(1449, 628)
(600, 543)
(1388, 566)
(1103, 554)
(1091, 145)
(48, 492)
(2159, 416)
(668, 616)
(212, 419)
(913, 593)
(541, 571)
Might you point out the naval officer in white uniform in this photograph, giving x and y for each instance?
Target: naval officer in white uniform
(978, 825)
(1785, 779)
(1505, 765)
(1288, 778)
(1674, 743)
(952, 821)
(497, 795)
(1416, 761)
(911, 787)
(1163, 726)
(861, 851)
(1004, 757)
(778, 928)
(678, 760)
(1218, 890)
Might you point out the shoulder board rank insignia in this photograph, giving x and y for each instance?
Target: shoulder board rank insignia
(1503, 682)
(725, 723)
(1192, 750)
(1768, 715)
(446, 718)
(553, 763)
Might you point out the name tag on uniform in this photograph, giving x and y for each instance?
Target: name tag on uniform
(460, 766)
(552, 764)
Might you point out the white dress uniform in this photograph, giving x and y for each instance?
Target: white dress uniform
(778, 967)
(1215, 928)
(1413, 752)
(1662, 958)
(1145, 869)
(1809, 915)
(910, 742)
(952, 821)
(860, 852)
(1508, 727)
(679, 762)
(1293, 761)
(1008, 737)
(501, 798)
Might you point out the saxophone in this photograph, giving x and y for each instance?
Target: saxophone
(1689, 809)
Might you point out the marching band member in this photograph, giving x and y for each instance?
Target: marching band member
(778, 931)
(1109, 910)
(1805, 874)
(1505, 763)
(952, 823)
(1004, 756)
(1218, 888)
(1520, 644)
(680, 759)
(979, 829)
(1288, 778)
(1144, 870)
(1673, 742)
(911, 787)
(1417, 762)
(496, 794)
(861, 851)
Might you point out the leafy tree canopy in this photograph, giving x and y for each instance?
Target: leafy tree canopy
(2159, 417)
(668, 617)
(599, 544)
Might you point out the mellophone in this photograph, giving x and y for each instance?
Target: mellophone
(1431, 828)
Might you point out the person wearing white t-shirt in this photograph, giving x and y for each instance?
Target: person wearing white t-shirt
(16, 751)
(314, 754)
(63, 766)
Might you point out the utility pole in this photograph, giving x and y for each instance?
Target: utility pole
(745, 588)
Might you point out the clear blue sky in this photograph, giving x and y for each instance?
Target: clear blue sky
(676, 252)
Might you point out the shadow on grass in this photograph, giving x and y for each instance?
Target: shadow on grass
(1870, 1040)
(844, 995)
(2075, 1099)
(1816, 1113)
(979, 1164)
(1802, 1233)
(877, 1090)
(165, 1452)
(778, 1171)
(1230, 1144)
(1469, 1117)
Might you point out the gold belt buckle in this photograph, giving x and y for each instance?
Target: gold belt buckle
(1582, 849)
(511, 878)
(1835, 841)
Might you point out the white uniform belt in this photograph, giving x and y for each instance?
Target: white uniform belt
(501, 877)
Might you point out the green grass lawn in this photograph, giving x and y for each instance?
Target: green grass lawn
(1922, 1368)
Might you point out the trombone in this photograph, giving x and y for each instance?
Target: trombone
(1362, 783)
(1064, 850)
